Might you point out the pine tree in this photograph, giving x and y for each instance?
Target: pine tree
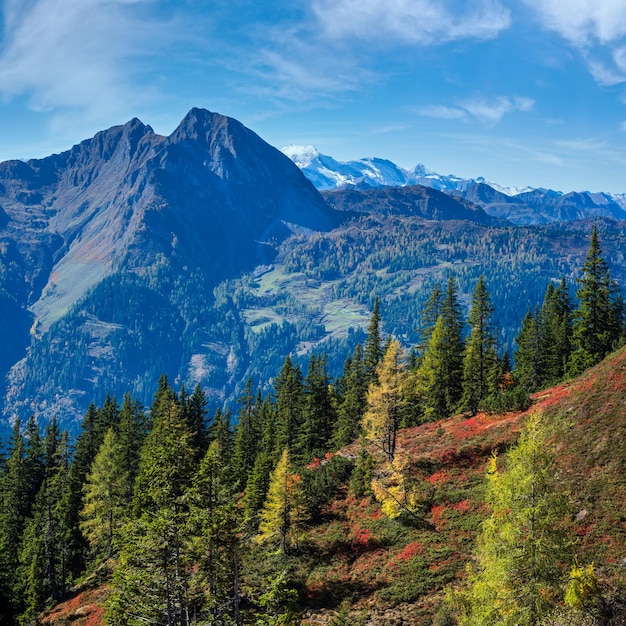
(215, 521)
(318, 413)
(247, 436)
(385, 402)
(480, 354)
(105, 496)
(599, 318)
(14, 509)
(152, 580)
(289, 406)
(43, 575)
(195, 412)
(373, 351)
(430, 314)
(284, 512)
(352, 406)
(530, 356)
(523, 544)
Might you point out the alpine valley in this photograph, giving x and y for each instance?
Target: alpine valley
(209, 256)
(233, 398)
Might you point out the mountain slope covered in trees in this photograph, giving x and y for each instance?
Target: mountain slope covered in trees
(352, 555)
(207, 256)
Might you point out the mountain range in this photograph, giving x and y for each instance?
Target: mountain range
(519, 205)
(209, 256)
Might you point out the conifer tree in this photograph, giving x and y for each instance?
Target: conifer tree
(352, 407)
(480, 354)
(530, 355)
(195, 412)
(247, 436)
(131, 434)
(259, 479)
(105, 496)
(430, 314)
(318, 412)
(43, 575)
(88, 442)
(284, 512)
(151, 582)
(373, 350)
(14, 509)
(599, 318)
(440, 375)
(385, 402)
(215, 521)
(289, 406)
(523, 544)
(221, 432)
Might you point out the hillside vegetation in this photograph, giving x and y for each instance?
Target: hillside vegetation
(356, 560)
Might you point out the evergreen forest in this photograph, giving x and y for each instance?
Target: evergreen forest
(180, 513)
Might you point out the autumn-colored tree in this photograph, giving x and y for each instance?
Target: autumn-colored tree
(284, 512)
(385, 401)
(517, 574)
(105, 491)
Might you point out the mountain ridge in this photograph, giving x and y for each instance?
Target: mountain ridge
(519, 205)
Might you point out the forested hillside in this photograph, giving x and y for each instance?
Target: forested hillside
(361, 497)
(207, 256)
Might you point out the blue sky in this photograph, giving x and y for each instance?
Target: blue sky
(522, 92)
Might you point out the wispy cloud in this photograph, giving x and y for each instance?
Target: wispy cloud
(410, 21)
(583, 21)
(595, 27)
(488, 112)
(442, 112)
(76, 58)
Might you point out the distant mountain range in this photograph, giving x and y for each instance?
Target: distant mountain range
(520, 205)
(207, 255)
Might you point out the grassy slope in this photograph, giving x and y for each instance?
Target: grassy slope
(386, 569)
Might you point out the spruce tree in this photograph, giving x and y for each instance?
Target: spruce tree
(480, 354)
(214, 521)
(195, 412)
(259, 479)
(439, 379)
(531, 353)
(14, 509)
(430, 314)
(152, 580)
(247, 436)
(599, 318)
(373, 350)
(314, 436)
(289, 406)
(43, 576)
(352, 406)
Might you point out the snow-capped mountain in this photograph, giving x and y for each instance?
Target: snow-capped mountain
(519, 205)
(327, 173)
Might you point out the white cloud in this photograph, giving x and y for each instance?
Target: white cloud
(442, 112)
(410, 21)
(583, 21)
(76, 59)
(488, 112)
(492, 111)
(597, 28)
